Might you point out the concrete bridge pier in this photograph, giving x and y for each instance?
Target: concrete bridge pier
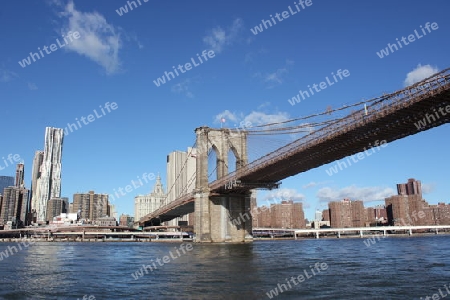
(223, 218)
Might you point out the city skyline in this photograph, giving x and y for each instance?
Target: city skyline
(249, 81)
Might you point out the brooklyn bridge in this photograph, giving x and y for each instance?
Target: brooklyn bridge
(314, 141)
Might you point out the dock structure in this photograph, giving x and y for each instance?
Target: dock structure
(360, 230)
(94, 234)
(353, 231)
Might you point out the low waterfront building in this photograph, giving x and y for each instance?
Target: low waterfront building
(126, 220)
(56, 207)
(105, 221)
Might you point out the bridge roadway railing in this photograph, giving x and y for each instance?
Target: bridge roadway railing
(381, 106)
(378, 228)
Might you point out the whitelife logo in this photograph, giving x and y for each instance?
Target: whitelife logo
(123, 10)
(165, 260)
(90, 118)
(318, 267)
(27, 61)
(430, 118)
(187, 67)
(341, 165)
(266, 24)
(319, 87)
(411, 38)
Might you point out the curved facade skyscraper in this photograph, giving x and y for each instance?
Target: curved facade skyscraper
(47, 179)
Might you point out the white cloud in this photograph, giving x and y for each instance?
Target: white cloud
(276, 196)
(428, 187)
(260, 118)
(227, 115)
(32, 86)
(254, 118)
(99, 40)
(7, 76)
(218, 37)
(275, 78)
(353, 192)
(183, 88)
(279, 195)
(420, 73)
(314, 184)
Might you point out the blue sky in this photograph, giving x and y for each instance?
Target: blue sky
(250, 78)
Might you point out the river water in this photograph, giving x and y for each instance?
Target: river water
(392, 268)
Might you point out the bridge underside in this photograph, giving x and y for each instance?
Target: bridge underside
(178, 211)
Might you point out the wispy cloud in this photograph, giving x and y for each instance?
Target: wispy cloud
(284, 195)
(275, 78)
(227, 115)
(428, 187)
(252, 56)
(99, 40)
(217, 38)
(255, 117)
(32, 86)
(420, 73)
(7, 75)
(259, 118)
(314, 184)
(353, 192)
(183, 88)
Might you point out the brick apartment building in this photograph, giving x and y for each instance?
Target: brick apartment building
(409, 208)
(287, 214)
(406, 208)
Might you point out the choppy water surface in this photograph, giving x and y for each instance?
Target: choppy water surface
(393, 268)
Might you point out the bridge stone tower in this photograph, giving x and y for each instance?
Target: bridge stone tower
(215, 212)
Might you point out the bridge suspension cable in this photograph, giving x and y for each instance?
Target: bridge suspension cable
(177, 179)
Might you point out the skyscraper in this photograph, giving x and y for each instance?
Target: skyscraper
(181, 179)
(19, 175)
(35, 174)
(6, 181)
(48, 176)
(14, 205)
(91, 206)
(180, 173)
